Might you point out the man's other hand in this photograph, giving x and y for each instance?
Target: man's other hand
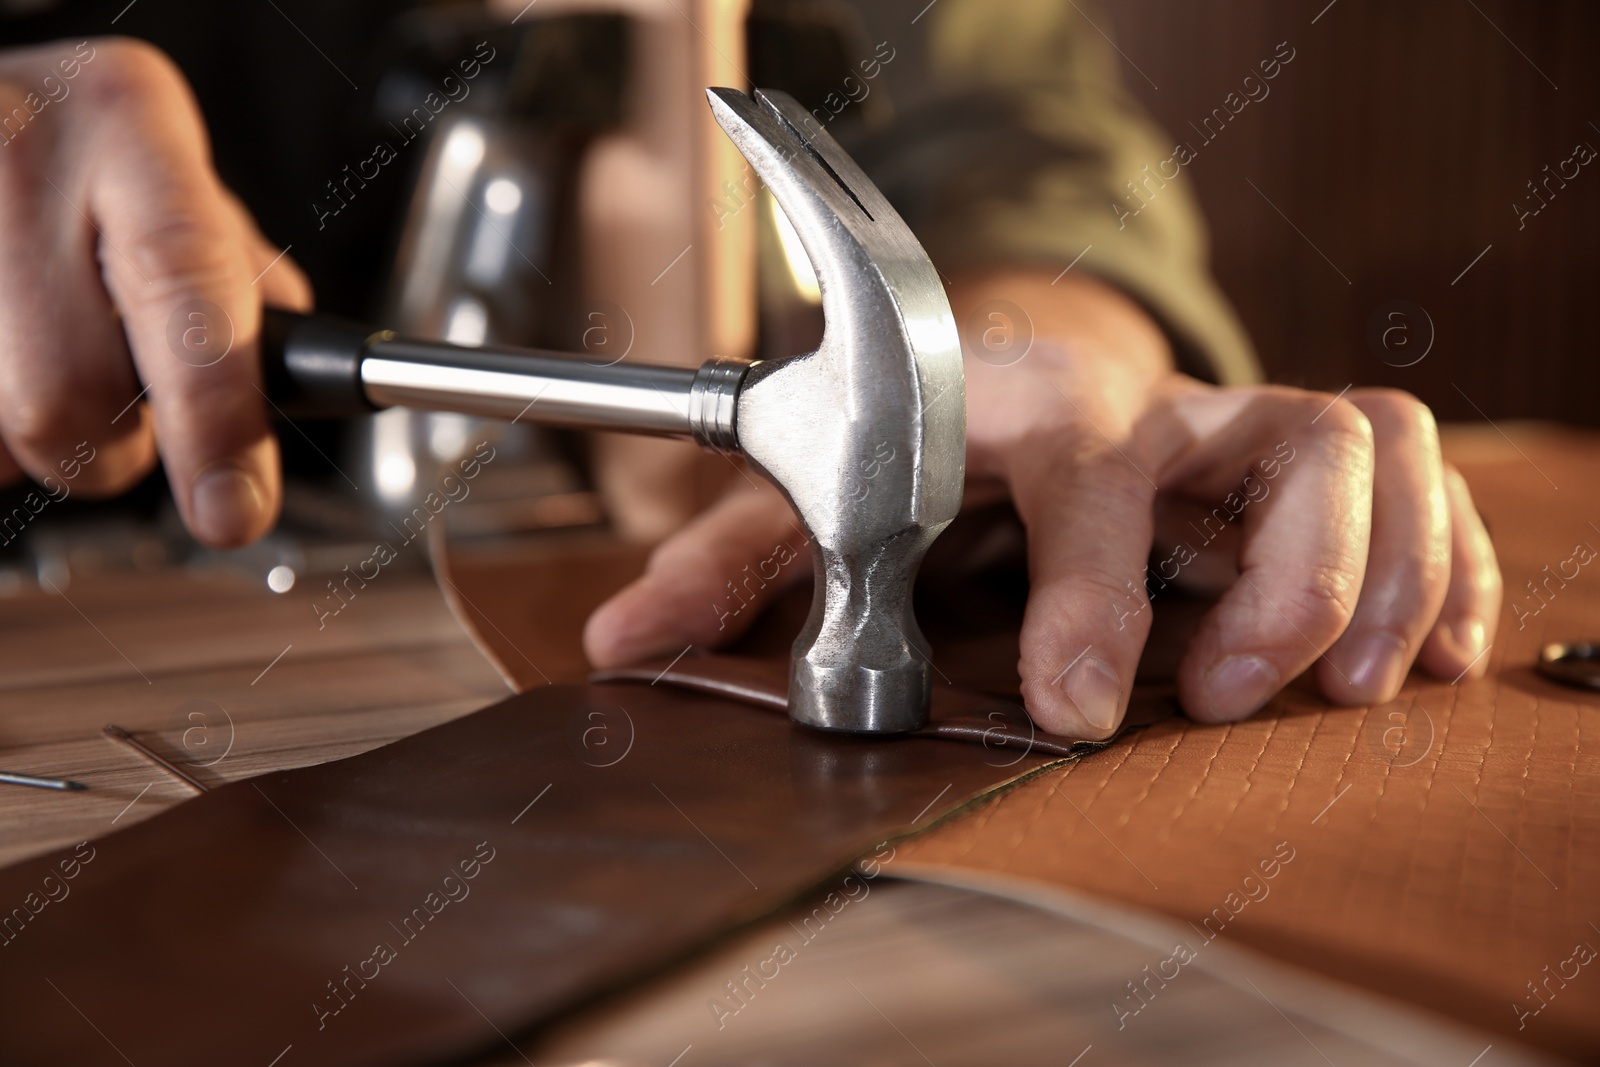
(117, 240)
(1330, 529)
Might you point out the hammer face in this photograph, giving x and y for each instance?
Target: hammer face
(861, 663)
(866, 435)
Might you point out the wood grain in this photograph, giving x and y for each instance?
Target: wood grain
(272, 689)
(1395, 144)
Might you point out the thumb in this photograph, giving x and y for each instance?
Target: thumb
(706, 583)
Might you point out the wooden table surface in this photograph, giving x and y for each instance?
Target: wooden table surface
(272, 690)
(222, 676)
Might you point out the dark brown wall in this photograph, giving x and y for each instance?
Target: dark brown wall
(1397, 140)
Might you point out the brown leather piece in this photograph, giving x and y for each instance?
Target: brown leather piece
(1449, 840)
(525, 605)
(607, 829)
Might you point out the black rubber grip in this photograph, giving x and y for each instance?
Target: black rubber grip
(312, 364)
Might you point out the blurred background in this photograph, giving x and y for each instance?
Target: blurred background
(1398, 142)
(1407, 206)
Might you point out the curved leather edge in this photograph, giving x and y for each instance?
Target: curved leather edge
(956, 715)
(628, 865)
(1343, 1008)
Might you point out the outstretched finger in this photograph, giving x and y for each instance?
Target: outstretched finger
(706, 583)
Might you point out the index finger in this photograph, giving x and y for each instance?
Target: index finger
(180, 271)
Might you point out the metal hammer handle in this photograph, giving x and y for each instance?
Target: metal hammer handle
(321, 365)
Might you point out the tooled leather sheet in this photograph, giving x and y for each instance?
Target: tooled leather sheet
(1446, 844)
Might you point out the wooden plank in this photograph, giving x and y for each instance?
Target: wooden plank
(269, 688)
(143, 626)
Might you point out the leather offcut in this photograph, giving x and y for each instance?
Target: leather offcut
(375, 910)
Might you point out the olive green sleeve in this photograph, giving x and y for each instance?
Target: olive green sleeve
(1006, 139)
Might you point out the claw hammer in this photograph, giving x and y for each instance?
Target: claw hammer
(882, 396)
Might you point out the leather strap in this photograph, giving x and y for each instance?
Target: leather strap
(502, 866)
(506, 865)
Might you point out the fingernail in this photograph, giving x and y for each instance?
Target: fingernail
(1095, 690)
(226, 504)
(1239, 685)
(1378, 666)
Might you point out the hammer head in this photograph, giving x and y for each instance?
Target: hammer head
(866, 436)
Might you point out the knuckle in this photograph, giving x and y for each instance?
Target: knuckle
(1087, 433)
(1037, 680)
(130, 71)
(35, 420)
(51, 405)
(1490, 587)
(1383, 397)
(1473, 559)
(688, 560)
(1415, 590)
(1340, 415)
(1457, 487)
(1325, 602)
(1485, 579)
(1398, 410)
(1124, 592)
(1075, 467)
(1116, 490)
(1039, 662)
(1428, 581)
(184, 254)
(1344, 429)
